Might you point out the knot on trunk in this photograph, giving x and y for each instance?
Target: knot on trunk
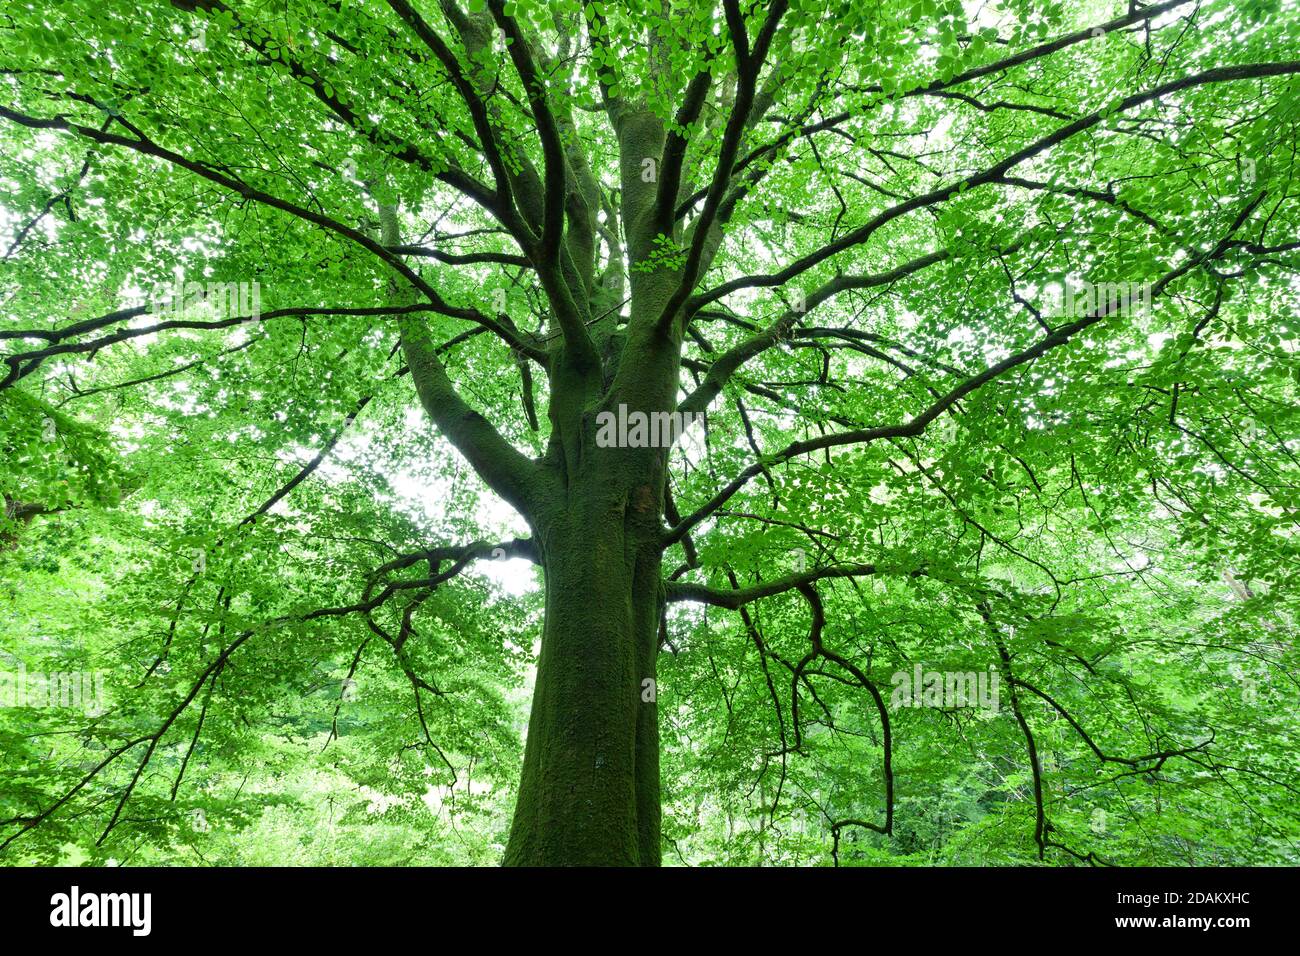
(643, 499)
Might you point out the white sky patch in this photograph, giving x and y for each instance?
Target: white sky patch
(426, 496)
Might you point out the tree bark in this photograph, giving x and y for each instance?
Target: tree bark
(589, 794)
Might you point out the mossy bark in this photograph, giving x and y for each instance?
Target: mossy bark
(589, 794)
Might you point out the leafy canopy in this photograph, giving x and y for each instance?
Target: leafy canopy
(317, 615)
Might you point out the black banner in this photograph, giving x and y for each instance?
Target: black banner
(927, 906)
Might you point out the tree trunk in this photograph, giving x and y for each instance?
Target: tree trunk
(589, 794)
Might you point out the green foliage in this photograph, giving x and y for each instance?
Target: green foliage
(196, 506)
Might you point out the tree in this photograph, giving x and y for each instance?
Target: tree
(987, 312)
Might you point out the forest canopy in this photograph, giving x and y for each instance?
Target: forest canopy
(706, 432)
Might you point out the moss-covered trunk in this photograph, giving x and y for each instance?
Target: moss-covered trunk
(589, 794)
